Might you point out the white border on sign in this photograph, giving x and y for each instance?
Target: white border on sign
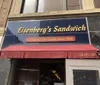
(88, 31)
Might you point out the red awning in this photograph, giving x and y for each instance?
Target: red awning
(62, 51)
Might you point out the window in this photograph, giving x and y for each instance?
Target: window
(40, 72)
(79, 73)
(94, 29)
(51, 5)
(30, 6)
(33, 6)
(74, 4)
(27, 77)
(86, 77)
(97, 3)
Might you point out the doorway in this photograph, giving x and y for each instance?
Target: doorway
(40, 72)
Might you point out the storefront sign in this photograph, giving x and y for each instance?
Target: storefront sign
(55, 29)
(42, 32)
(50, 39)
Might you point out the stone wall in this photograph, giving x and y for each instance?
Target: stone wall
(4, 63)
(4, 71)
(5, 6)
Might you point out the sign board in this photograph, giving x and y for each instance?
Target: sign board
(46, 32)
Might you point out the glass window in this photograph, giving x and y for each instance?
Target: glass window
(40, 72)
(86, 77)
(95, 38)
(27, 77)
(32, 6)
(74, 4)
(94, 29)
(51, 5)
(94, 23)
(97, 3)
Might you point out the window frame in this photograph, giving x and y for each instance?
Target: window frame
(80, 5)
(64, 6)
(78, 65)
(16, 8)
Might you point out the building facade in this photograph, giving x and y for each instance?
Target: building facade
(58, 66)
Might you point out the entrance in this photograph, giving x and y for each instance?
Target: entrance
(40, 72)
(57, 72)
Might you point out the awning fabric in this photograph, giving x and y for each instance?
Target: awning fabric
(61, 51)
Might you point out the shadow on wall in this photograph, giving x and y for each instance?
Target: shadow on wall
(10, 39)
